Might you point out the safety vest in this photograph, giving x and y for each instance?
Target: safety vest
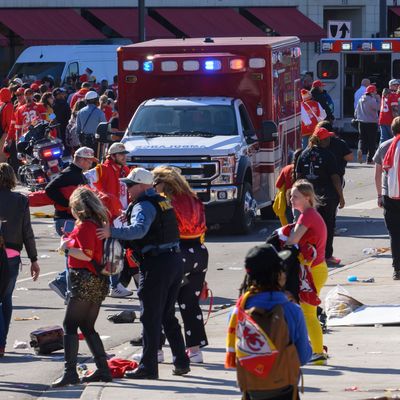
(310, 116)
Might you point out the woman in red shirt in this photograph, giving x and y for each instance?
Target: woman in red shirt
(88, 287)
(191, 219)
(310, 228)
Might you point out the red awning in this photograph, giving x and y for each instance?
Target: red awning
(48, 25)
(289, 21)
(396, 10)
(125, 22)
(202, 22)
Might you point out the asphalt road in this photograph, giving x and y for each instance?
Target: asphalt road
(23, 375)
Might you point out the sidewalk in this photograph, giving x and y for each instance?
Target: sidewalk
(364, 357)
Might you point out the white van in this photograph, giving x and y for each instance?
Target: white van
(62, 61)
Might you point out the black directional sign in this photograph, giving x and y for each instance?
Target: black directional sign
(339, 29)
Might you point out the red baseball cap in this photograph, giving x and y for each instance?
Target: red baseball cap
(323, 133)
(20, 91)
(370, 89)
(318, 83)
(35, 87)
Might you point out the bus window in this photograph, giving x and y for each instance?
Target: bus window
(327, 69)
(396, 69)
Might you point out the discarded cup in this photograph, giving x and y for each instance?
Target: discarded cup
(369, 251)
(352, 278)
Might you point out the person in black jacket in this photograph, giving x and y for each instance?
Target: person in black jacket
(71, 177)
(61, 110)
(17, 232)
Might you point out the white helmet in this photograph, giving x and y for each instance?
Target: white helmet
(91, 95)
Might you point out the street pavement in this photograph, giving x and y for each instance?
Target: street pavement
(359, 356)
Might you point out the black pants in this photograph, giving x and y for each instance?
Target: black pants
(195, 261)
(367, 139)
(328, 213)
(391, 214)
(159, 282)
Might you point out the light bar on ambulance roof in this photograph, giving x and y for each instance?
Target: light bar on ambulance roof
(257, 63)
(346, 46)
(148, 66)
(212, 65)
(236, 64)
(386, 46)
(191, 65)
(130, 65)
(327, 46)
(169, 66)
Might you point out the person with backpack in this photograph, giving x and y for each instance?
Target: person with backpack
(310, 229)
(267, 339)
(387, 184)
(153, 231)
(89, 288)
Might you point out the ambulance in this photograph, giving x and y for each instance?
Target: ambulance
(225, 111)
(343, 63)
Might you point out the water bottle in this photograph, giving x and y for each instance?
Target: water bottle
(369, 251)
(352, 278)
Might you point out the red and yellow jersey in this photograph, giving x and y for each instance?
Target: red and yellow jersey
(311, 114)
(27, 114)
(386, 114)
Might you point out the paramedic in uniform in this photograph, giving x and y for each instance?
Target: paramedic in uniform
(153, 228)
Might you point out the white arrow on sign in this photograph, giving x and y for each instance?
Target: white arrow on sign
(339, 29)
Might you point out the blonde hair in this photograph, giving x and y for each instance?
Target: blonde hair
(174, 182)
(87, 206)
(8, 180)
(306, 188)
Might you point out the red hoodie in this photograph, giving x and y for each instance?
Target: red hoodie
(7, 109)
(79, 95)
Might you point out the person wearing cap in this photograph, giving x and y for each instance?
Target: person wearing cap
(263, 291)
(72, 176)
(366, 114)
(311, 114)
(310, 229)
(153, 231)
(320, 95)
(318, 165)
(88, 119)
(61, 110)
(360, 91)
(106, 178)
(389, 109)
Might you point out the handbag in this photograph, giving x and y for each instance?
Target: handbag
(47, 339)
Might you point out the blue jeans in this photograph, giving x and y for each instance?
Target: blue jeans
(6, 305)
(63, 277)
(386, 133)
(114, 280)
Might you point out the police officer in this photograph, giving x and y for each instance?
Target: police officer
(154, 230)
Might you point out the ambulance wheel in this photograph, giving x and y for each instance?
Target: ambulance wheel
(245, 215)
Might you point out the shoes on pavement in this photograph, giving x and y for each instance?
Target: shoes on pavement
(195, 357)
(58, 288)
(2, 351)
(160, 356)
(333, 260)
(180, 370)
(319, 359)
(120, 291)
(396, 275)
(140, 373)
(359, 156)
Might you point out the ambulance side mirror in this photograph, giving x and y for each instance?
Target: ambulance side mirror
(103, 132)
(269, 132)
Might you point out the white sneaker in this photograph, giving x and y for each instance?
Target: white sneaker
(195, 357)
(160, 356)
(120, 291)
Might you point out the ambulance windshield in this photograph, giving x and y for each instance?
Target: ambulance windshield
(196, 120)
(33, 71)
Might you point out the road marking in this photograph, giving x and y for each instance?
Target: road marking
(41, 275)
(366, 205)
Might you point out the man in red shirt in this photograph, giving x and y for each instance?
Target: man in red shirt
(389, 109)
(28, 114)
(6, 116)
(80, 94)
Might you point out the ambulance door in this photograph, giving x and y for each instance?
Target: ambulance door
(328, 69)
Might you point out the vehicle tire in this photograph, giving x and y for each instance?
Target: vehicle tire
(267, 213)
(245, 215)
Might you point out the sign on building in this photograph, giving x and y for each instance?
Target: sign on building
(339, 29)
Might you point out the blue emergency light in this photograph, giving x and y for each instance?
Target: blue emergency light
(148, 66)
(212, 65)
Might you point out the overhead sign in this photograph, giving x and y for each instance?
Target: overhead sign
(339, 29)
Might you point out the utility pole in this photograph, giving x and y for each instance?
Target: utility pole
(383, 10)
(141, 25)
